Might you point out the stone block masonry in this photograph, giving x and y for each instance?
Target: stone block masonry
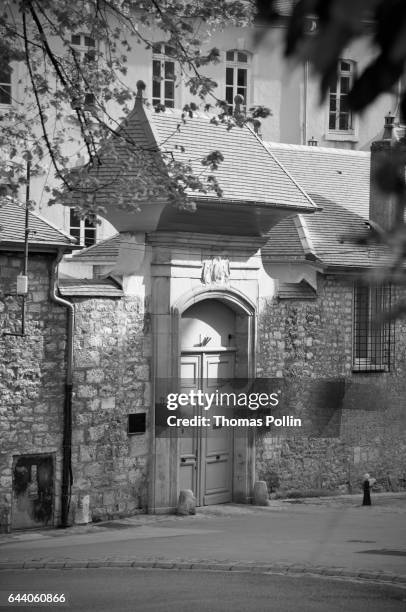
(111, 381)
(306, 342)
(32, 377)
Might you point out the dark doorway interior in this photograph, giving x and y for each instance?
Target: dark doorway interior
(33, 491)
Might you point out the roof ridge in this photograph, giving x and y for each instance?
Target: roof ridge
(304, 235)
(283, 168)
(310, 149)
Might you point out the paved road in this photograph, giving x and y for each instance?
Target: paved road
(349, 537)
(174, 591)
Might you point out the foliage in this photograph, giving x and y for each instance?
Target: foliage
(75, 97)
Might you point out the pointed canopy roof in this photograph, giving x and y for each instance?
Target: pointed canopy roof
(137, 165)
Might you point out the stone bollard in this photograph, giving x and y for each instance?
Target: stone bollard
(261, 495)
(82, 513)
(186, 503)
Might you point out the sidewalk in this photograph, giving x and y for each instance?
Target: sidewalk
(328, 536)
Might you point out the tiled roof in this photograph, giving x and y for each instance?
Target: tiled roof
(106, 287)
(333, 233)
(104, 250)
(298, 291)
(254, 177)
(339, 175)
(338, 182)
(42, 232)
(249, 171)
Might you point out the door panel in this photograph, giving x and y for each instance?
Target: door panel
(206, 455)
(189, 438)
(217, 441)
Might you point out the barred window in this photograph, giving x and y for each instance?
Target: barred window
(163, 75)
(373, 339)
(340, 116)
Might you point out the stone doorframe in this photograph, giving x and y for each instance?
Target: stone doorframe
(165, 455)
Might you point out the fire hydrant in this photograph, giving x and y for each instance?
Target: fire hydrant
(366, 486)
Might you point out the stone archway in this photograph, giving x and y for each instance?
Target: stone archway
(168, 351)
(245, 312)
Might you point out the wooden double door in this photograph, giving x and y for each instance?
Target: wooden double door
(206, 452)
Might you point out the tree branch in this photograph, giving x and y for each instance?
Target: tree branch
(38, 102)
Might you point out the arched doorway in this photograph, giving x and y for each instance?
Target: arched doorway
(213, 340)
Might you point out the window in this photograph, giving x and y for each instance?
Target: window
(82, 229)
(237, 65)
(163, 75)
(373, 341)
(5, 84)
(340, 117)
(137, 423)
(84, 47)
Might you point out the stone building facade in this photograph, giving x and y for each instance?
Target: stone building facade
(306, 342)
(180, 302)
(111, 380)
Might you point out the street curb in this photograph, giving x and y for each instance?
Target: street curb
(219, 566)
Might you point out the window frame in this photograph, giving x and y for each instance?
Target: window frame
(235, 65)
(82, 49)
(81, 228)
(372, 346)
(6, 85)
(163, 58)
(336, 133)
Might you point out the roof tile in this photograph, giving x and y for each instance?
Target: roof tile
(42, 232)
(339, 175)
(89, 288)
(249, 173)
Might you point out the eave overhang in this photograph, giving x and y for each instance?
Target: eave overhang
(240, 218)
(35, 247)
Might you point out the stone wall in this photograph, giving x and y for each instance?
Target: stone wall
(303, 342)
(32, 376)
(111, 380)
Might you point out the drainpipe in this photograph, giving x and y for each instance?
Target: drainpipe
(305, 87)
(67, 412)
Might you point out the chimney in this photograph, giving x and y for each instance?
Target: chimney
(383, 208)
(140, 91)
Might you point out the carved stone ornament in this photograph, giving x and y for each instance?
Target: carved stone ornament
(215, 271)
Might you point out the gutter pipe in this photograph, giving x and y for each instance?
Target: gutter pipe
(67, 478)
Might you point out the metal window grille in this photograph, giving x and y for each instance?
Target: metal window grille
(236, 78)
(340, 116)
(373, 337)
(163, 75)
